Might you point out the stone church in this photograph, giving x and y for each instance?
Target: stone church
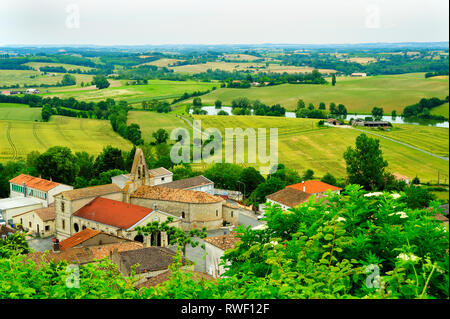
(116, 210)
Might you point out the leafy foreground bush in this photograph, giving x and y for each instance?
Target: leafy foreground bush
(332, 249)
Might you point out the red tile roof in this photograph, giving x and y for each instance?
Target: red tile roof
(34, 182)
(78, 238)
(113, 213)
(313, 187)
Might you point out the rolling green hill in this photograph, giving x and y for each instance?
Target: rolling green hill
(391, 92)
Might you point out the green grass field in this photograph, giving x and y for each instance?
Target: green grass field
(159, 89)
(19, 112)
(391, 92)
(428, 138)
(441, 110)
(18, 138)
(302, 145)
(152, 121)
(31, 78)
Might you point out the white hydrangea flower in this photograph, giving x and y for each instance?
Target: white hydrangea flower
(402, 214)
(395, 196)
(341, 219)
(406, 257)
(373, 194)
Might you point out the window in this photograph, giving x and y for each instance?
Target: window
(182, 215)
(62, 207)
(162, 178)
(47, 228)
(217, 212)
(76, 227)
(231, 213)
(29, 224)
(63, 224)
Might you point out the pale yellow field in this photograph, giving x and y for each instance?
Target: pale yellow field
(360, 60)
(162, 62)
(38, 65)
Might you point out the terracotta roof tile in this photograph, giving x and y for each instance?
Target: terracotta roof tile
(112, 212)
(176, 195)
(314, 187)
(103, 251)
(400, 176)
(223, 242)
(34, 182)
(290, 197)
(46, 214)
(82, 255)
(78, 238)
(92, 191)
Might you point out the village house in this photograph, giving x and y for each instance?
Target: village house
(41, 221)
(315, 187)
(32, 91)
(152, 261)
(215, 248)
(401, 177)
(333, 122)
(37, 188)
(89, 237)
(11, 207)
(358, 74)
(68, 202)
(290, 197)
(359, 122)
(5, 231)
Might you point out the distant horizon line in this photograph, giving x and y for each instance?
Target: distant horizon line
(223, 44)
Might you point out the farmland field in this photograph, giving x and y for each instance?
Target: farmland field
(159, 89)
(152, 121)
(441, 110)
(21, 112)
(428, 138)
(38, 65)
(302, 145)
(18, 138)
(391, 92)
(235, 66)
(30, 77)
(162, 62)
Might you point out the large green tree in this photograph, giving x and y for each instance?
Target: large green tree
(110, 158)
(365, 163)
(59, 164)
(100, 81)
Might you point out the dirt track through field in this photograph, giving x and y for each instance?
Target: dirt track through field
(37, 137)
(8, 136)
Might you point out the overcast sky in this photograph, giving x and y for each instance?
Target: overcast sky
(132, 22)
